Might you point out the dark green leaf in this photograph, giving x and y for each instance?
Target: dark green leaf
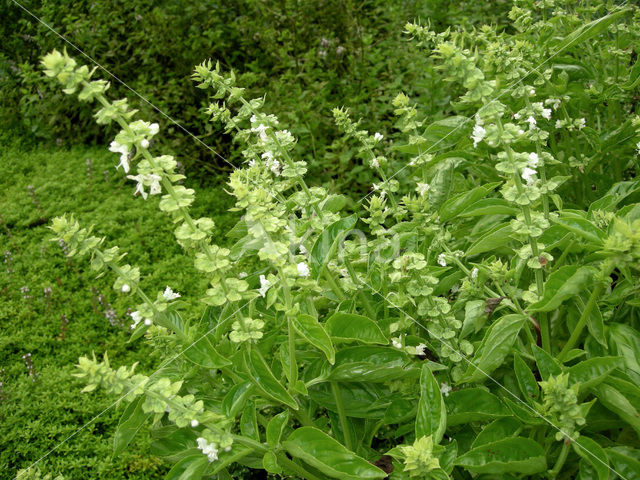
(275, 427)
(326, 243)
(625, 461)
(547, 365)
(497, 430)
(313, 332)
(455, 205)
(564, 283)
(594, 454)
(489, 206)
(431, 418)
(526, 380)
(236, 398)
(516, 454)
(327, 455)
(189, 468)
(494, 348)
(347, 327)
(593, 371)
(264, 380)
(249, 422)
(204, 354)
(497, 237)
(132, 419)
(473, 404)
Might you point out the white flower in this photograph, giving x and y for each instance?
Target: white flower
(303, 250)
(528, 175)
(268, 156)
(441, 260)
(396, 342)
(375, 163)
(638, 147)
(144, 143)
(516, 116)
(170, 294)
(533, 160)
(264, 286)
(546, 113)
(532, 92)
(147, 321)
(126, 288)
(532, 122)
(208, 449)
(154, 128)
(243, 275)
(554, 102)
(445, 389)
(253, 119)
(558, 124)
(252, 163)
(422, 188)
(139, 186)
(275, 168)
(582, 123)
(136, 317)
(117, 148)
(303, 269)
(474, 273)
(124, 162)
(420, 348)
(194, 423)
(154, 188)
(261, 130)
(378, 137)
(478, 134)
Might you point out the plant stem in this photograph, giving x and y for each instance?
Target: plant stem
(560, 461)
(295, 468)
(343, 417)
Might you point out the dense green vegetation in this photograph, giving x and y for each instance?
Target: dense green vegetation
(415, 254)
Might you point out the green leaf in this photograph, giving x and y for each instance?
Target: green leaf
(236, 398)
(249, 422)
(314, 333)
(348, 327)
(442, 134)
(130, 422)
(490, 206)
(275, 427)
(593, 371)
(368, 363)
(455, 205)
(625, 341)
(496, 237)
(547, 365)
(264, 380)
(473, 404)
(589, 30)
(510, 455)
(594, 454)
(562, 284)
(327, 242)
(431, 418)
(526, 380)
(360, 400)
(577, 224)
(319, 450)
(494, 348)
(497, 430)
(615, 401)
(270, 463)
(333, 203)
(204, 354)
(189, 468)
(625, 461)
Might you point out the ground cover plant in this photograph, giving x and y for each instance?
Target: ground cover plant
(474, 316)
(53, 309)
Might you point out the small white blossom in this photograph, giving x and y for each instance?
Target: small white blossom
(154, 128)
(208, 449)
(532, 122)
(253, 119)
(303, 250)
(558, 123)
(422, 188)
(554, 102)
(147, 321)
(445, 389)
(243, 275)
(154, 188)
(375, 163)
(441, 260)
(170, 294)
(582, 123)
(528, 175)
(139, 186)
(396, 343)
(378, 137)
(126, 288)
(136, 317)
(117, 148)
(264, 286)
(303, 269)
(420, 348)
(474, 273)
(194, 423)
(124, 163)
(638, 148)
(144, 143)
(546, 113)
(478, 134)
(532, 92)
(516, 116)
(533, 160)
